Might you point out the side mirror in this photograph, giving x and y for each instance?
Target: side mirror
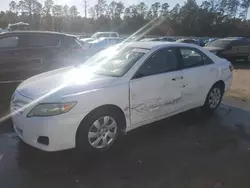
(229, 47)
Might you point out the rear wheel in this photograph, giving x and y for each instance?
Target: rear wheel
(213, 99)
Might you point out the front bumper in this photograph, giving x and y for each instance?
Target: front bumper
(60, 129)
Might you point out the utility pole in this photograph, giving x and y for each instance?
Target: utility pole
(85, 8)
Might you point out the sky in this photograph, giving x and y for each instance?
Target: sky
(79, 3)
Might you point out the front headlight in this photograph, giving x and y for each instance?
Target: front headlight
(51, 109)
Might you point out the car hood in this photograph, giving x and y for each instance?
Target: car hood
(62, 82)
(213, 48)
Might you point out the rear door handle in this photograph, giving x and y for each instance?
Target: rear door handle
(177, 78)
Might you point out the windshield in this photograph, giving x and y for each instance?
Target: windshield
(219, 43)
(114, 61)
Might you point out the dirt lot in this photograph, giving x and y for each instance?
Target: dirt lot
(187, 150)
(241, 83)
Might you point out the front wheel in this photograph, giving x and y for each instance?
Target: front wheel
(99, 132)
(213, 99)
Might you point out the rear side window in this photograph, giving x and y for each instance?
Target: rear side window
(192, 58)
(9, 42)
(41, 41)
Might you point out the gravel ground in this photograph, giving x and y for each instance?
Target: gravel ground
(187, 150)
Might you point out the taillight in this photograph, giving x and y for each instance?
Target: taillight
(231, 68)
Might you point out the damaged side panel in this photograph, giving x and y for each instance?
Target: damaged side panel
(153, 104)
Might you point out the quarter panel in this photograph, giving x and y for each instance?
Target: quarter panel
(117, 94)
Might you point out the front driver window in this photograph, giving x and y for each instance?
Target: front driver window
(161, 61)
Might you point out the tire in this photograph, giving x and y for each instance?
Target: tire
(213, 99)
(99, 131)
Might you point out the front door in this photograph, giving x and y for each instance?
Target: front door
(155, 90)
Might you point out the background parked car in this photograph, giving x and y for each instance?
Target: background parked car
(167, 39)
(86, 42)
(102, 43)
(104, 34)
(20, 26)
(148, 39)
(190, 41)
(231, 48)
(26, 53)
(209, 41)
(201, 42)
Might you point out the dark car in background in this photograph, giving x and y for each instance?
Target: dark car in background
(166, 39)
(231, 48)
(190, 41)
(26, 53)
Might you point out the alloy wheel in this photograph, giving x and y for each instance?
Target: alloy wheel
(102, 133)
(214, 98)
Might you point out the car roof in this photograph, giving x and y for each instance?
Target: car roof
(106, 32)
(103, 38)
(156, 44)
(37, 33)
(235, 38)
(227, 39)
(186, 39)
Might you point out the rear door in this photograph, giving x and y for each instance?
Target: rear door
(199, 74)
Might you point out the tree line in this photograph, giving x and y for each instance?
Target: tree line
(217, 18)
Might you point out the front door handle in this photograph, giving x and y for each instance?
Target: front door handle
(177, 78)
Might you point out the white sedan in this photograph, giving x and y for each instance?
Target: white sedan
(117, 90)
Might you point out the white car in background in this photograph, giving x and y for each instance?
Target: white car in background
(117, 90)
(101, 44)
(104, 34)
(86, 42)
